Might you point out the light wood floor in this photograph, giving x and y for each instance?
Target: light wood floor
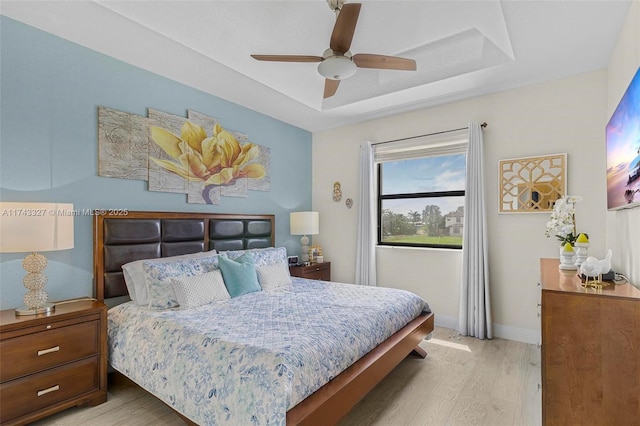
(463, 381)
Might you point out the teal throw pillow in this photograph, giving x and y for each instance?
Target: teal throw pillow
(239, 275)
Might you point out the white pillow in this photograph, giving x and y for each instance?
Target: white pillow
(200, 289)
(134, 276)
(273, 276)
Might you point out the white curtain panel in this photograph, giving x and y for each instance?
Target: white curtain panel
(366, 248)
(475, 304)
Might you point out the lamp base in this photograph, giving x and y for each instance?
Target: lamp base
(304, 249)
(43, 310)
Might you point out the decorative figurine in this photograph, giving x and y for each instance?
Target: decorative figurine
(581, 248)
(593, 269)
(568, 258)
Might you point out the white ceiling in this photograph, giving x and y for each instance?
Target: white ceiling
(462, 48)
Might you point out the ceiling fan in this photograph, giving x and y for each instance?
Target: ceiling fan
(337, 62)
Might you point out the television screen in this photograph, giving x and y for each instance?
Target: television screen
(623, 150)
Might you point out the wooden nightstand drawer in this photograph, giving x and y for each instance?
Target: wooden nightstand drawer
(317, 271)
(317, 274)
(52, 362)
(35, 392)
(36, 352)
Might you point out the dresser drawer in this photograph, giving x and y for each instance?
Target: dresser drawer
(32, 393)
(38, 351)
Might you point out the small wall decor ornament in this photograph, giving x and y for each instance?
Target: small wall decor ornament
(349, 203)
(337, 192)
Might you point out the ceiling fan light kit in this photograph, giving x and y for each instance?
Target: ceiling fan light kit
(337, 67)
(337, 63)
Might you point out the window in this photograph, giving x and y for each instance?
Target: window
(421, 187)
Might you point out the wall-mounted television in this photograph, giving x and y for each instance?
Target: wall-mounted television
(623, 150)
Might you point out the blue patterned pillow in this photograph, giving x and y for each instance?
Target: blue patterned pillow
(239, 275)
(261, 257)
(134, 274)
(158, 277)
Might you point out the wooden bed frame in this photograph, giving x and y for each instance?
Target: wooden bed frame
(119, 239)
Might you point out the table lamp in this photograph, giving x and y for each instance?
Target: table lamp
(35, 227)
(304, 223)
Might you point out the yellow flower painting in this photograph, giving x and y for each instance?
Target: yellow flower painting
(215, 160)
(175, 154)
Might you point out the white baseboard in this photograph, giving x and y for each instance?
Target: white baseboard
(446, 321)
(524, 335)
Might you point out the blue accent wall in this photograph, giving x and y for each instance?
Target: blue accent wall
(50, 90)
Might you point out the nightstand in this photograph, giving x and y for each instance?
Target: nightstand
(52, 362)
(315, 271)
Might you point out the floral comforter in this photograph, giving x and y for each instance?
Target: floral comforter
(249, 359)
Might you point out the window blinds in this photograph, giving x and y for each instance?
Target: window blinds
(444, 143)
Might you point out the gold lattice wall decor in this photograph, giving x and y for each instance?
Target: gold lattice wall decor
(532, 184)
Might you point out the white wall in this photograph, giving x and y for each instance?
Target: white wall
(623, 227)
(567, 115)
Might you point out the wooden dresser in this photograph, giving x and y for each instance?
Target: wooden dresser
(52, 362)
(590, 351)
(315, 271)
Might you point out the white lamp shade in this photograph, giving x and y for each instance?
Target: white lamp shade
(33, 227)
(304, 223)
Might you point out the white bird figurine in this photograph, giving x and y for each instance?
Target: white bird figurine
(593, 267)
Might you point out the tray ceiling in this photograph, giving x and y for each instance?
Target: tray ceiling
(462, 48)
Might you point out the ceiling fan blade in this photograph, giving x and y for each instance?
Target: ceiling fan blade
(345, 27)
(367, 60)
(288, 58)
(330, 87)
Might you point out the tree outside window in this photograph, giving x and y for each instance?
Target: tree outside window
(421, 201)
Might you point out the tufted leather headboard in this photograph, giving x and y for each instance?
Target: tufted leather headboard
(122, 238)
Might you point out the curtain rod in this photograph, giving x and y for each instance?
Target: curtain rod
(483, 125)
